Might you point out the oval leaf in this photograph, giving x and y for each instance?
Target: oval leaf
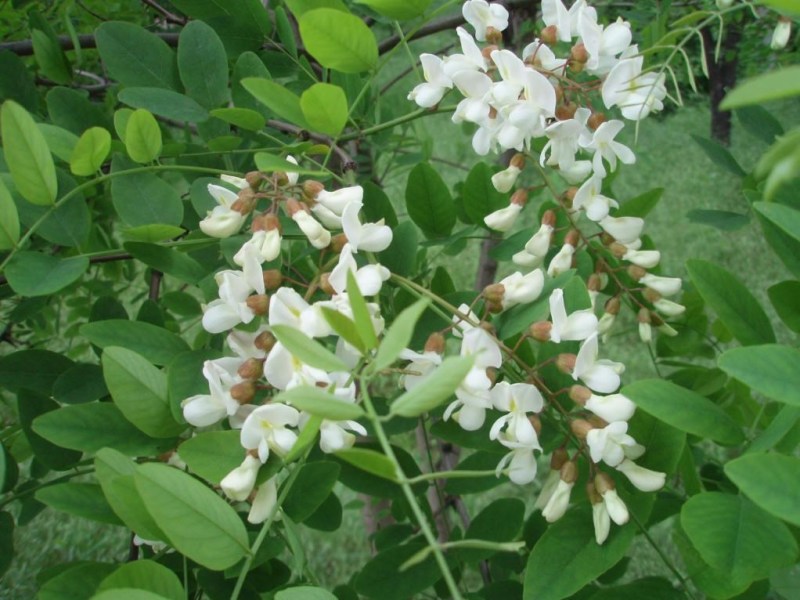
(9, 219)
(90, 152)
(320, 403)
(203, 64)
(156, 343)
(307, 350)
(36, 274)
(429, 203)
(771, 370)
(27, 155)
(325, 108)
(136, 57)
(142, 136)
(769, 480)
(164, 103)
(438, 387)
(338, 40)
(145, 575)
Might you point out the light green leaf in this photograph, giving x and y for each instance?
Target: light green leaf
(398, 9)
(127, 594)
(769, 480)
(438, 387)
(281, 101)
(243, 118)
(361, 316)
(212, 454)
(736, 307)
(344, 327)
(429, 203)
(338, 40)
(36, 274)
(304, 592)
(783, 217)
(781, 83)
(397, 337)
(197, 521)
(84, 500)
(301, 7)
(164, 103)
(9, 219)
(270, 163)
(140, 391)
(370, 461)
(771, 370)
(324, 107)
(145, 575)
(203, 64)
(142, 136)
(27, 155)
(135, 57)
(90, 152)
(75, 582)
(684, 409)
(734, 535)
(60, 141)
(641, 205)
(320, 403)
(159, 345)
(152, 233)
(306, 350)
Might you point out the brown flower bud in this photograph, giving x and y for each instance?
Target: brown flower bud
(272, 279)
(579, 54)
(607, 239)
(617, 249)
(651, 295)
(491, 374)
(573, 237)
(594, 495)
(494, 292)
(597, 422)
(580, 427)
(325, 284)
(258, 303)
(265, 222)
(569, 472)
(294, 206)
(604, 483)
(243, 392)
(594, 283)
(636, 272)
(254, 179)
(493, 36)
(540, 331)
(435, 343)
(312, 188)
(558, 459)
(337, 242)
(518, 161)
(613, 305)
(252, 368)
(246, 201)
(265, 341)
(580, 394)
(596, 119)
(549, 35)
(566, 363)
(643, 316)
(494, 307)
(488, 328)
(566, 111)
(549, 218)
(520, 197)
(486, 52)
(569, 195)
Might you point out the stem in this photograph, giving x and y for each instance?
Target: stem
(398, 121)
(409, 494)
(29, 491)
(450, 475)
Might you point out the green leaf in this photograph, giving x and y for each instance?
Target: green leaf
(285, 31)
(156, 343)
(65, 224)
(398, 9)
(361, 316)
(771, 370)
(9, 472)
(152, 233)
(780, 426)
(320, 403)
(271, 163)
(500, 521)
(344, 327)
(785, 218)
(306, 350)
(439, 386)
(84, 500)
(429, 203)
(479, 196)
(397, 337)
(307, 436)
(652, 588)
(6, 541)
(144, 198)
(724, 220)
(164, 103)
(79, 384)
(784, 296)
(90, 427)
(284, 103)
(243, 118)
(324, 107)
(9, 219)
(168, 260)
(145, 575)
(381, 576)
(735, 536)
(769, 480)
(401, 255)
(35, 274)
(684, 409)
(142, 136)
(781, 83)
(139, 390)
(304, 592)
(60, 141)
(135, 57)
(27, 155)
(115, 472)
(75, 581)
(51, 59)
(127, 594)
(338, 40)
(736, 307)
(182, 379)
(310, 489)
(197, 521)
(370, 461)
(301, 7)
(31, 405)
(90, 152)
(203, 64)
(760, 122)
(212, 454)
(567, 557)
(719, 155)
(33, 369)
(17, 82)
(641, 205)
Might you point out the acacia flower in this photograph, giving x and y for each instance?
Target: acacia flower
(611, 444)
(482, 15)
(605, 147)
(239, 483)
(436, 84)
(643, 479)
(372, 237)
(265, 430)
(517, 400)
(600, 375)
(577, 326)
(263, 502)
(222, 221)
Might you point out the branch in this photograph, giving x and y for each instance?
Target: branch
(25, 47)
(168, 16)
(348, 164)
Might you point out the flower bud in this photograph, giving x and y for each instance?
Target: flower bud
(566, 363)
(558, 459)
(265, 341)
(580, 394)
(636, 273)
(266, 222)
(505, 180)
(593, 494)
(338, 242)
(579, 54)
(494, 307)
(594, 283)
(540, 331)
(559, 500)
(254, 179)
(723, 4)
(258, 303)
(666, 286)
(325, 284)
(580, 427)
(435, 343)
(252, 368)
(566, 111)
(549, 218)
(246, 201)
(494, 36)
(504, 218)
(572, 238)
(614, 505)
(494, 292)
(243, 392)
(272, 279)
(645, 331)
(263, 502)
(549, 35)
(781, 34)
(311, 188)
(520, 198)
(668, 307)
(486, 52)
(617, 249)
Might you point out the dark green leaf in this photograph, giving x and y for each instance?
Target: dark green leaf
(401, 255)
(719, 155)
(760, 122)
(31, 405)
(157, 344)
(164, 103)
(6, 541)
(136, 57)
(67, 224)
(382, 579)
(79, 384)
(310, 489)
(35, 274)
(785, 218)
(203, 65)
(724, 220)
(145, 575)
(9, 219)
(168, 260)
(80, 499)
(769, 480)
(16, 82)
(36, 370)
(76, 582)
(784, 297)
(479, 196)
(429, 203)
(501, 521)
(304, 593)
(144, 198)
(397, 337)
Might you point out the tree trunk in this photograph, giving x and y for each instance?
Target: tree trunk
(722, 77)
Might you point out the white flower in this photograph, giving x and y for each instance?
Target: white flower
(647, 259)
(264, 502)
(265, 429)
(505, 179)
(590, 198)
(605, 147)
(238, 484)
(566, 21)
(577, 173)
(577, 326)
(635, 93)
(222, 221)
(781, 34)
(239, 182)
(243, 343)
(548, 487)
(614, 407)
(604, 44)
(471, 60)
(522, 289)
(372, 237)
(316, 233)
(601, 521)
(616, 507)
(564, 139)
(539, 244)
(461, 326)
(203, 410)
(543, 56)
(420, 367)
(521, 462)
(369, 278)
(562, 261)
(479, 344)
(292, 176)
(337, 200)
(504, 218)
(666, 286)
(608, 444)
(472, 400)
(558, 502)
(482, 15)
(475, 88)
(598, 375)
(626, 230)
(265, 245)
(230, 308)
(668, 307)
(643, 479)
(517, 400)
(437, 82)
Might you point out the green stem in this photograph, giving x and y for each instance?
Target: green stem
(29, 491)
(394, 122)
(409, 493)
(93, 182)
(449, 475)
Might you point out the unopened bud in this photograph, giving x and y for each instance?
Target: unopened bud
(569, 472)
(494, 307)
(536, 423)
(494, 292)
(272, 279)
(782, 33)
(566, 111)
(558, 459)
(549, 35)
(520, 197)
(604, 483)
(258, 303)
(636, 273)
(594, 283)
(651, 295)
(265, 341)
(337, 242)
(573, 237)
(254, 179)
(643, 316)
(566, 363)
(580, 428)
(493, 36)
(593, 494)
(518, 161)
(252, 368)
(293, 206)
(243, 392)
(613, 305)
(568, 196)
(607, 239)
(280, 178)
(325, 284)
(597, 422)
(492, 112)
(435, 343)
(579, 54)
(491, 374)
(540, 331)
(580, 394)
(617, 249)
(312, 188)
(486, 52)
(266, 222)
(549, 218)
(596, 119)
(246, 201)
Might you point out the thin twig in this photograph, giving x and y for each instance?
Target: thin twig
(168, 16)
